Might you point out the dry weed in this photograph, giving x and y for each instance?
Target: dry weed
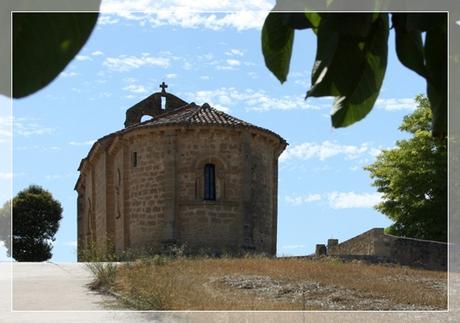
(278, 284)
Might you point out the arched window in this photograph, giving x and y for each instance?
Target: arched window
(209, 182)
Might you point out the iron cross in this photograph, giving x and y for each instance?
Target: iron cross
(163, 87)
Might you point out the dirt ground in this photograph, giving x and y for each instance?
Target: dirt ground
(273, 284)
(315, 296)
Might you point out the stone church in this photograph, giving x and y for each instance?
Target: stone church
(191, 175)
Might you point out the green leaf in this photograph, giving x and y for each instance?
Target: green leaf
(436, 65)
(296, 20)
(315, 20)
(277, 39)
(426, 21)
(336, 65)
(43, 45)
(350, 68)
(338, 57)
(409, 45)
(326, 49)
(357, 25)
(354, 105)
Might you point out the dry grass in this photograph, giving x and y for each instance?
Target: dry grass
(278, 284)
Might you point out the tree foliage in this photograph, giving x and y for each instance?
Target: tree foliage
(43, 45)
(413, 179)
(351, 57)
(5, 226)
(36, 216)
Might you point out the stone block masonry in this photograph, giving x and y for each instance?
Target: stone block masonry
(144, 186)
(405, 251)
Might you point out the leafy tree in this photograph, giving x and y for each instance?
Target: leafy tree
(413, 179)
(5, 226)
(36, 217)
(44, 43)
(351, 57)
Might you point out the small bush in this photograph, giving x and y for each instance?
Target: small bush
(104, 274)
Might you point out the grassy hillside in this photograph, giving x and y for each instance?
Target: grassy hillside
(271, 284)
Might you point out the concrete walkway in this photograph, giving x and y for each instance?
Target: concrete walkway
(49, 292)
(61, 287)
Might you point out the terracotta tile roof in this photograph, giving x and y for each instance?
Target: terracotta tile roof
(193, 114)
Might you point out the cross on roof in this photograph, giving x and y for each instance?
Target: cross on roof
(163, 87)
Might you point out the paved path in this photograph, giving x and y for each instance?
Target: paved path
(61, 287)
(41, 289)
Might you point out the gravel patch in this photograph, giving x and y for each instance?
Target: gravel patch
(312, 294)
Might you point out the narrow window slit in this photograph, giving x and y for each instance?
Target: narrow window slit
(135, 159)
(209, 182)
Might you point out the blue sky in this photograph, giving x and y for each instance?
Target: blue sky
(216, 58)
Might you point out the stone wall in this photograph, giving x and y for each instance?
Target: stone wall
(405, 251)
(262, 205)
(415, 252)
(99, 200)
(146, 195)
(145, 189)
(361, 245)
(118, 205)
(211, 225)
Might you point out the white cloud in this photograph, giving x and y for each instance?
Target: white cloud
(10, 175)
(249, 99)
(325, 150)
(6, 175)
(37, 147)
(233, 62)
(52, 177)
(82, 143)
(346, 200)
(134, 88)
(374, 152)
(234, 52)
(82, 58)
(68, 74)
(107, 20)
(204, 77)
(97, 53)
(221, 108)
(396, 104)
(171, 76)
(298, 200)
(338, 200)
(5, 128)
(228, 64)
(124, 63)
(29, 127)
(71, 243)
(190, 14)
(187, 66)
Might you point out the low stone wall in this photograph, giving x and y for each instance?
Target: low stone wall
(362, 245)
(415, 252)
(405, 251)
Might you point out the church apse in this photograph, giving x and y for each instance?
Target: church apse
(192, 176)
